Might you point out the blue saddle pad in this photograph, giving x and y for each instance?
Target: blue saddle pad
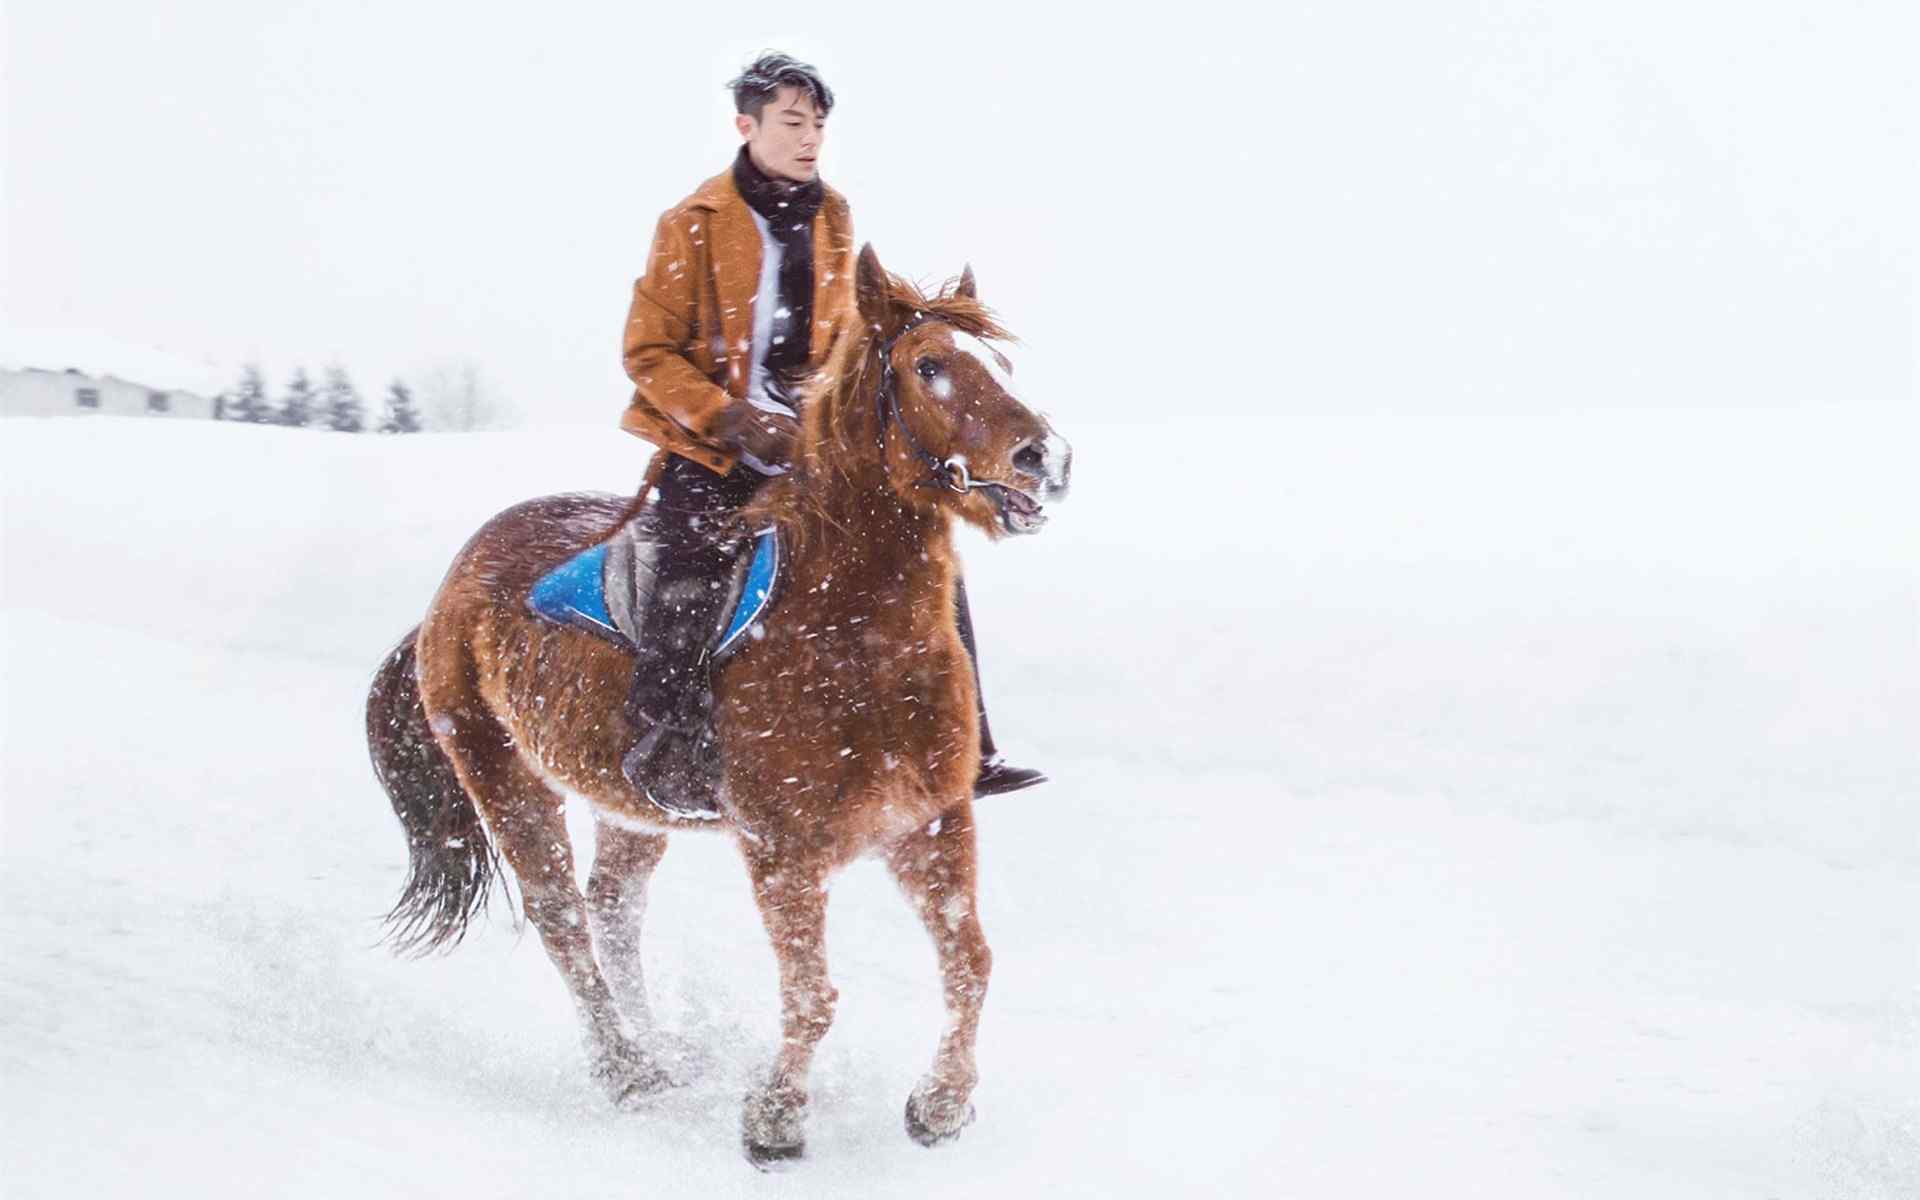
(756, 593)
(575, 593)
(604, 589)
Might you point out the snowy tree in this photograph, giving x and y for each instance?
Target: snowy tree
(456, 397)
(340, 403)
(248, 400)
(297, 409)
(401, 416)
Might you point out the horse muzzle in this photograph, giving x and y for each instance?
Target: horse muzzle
(1045, 465)
(1020, 512)
(1047, 462)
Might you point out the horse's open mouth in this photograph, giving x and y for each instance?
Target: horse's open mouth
(1019, 512)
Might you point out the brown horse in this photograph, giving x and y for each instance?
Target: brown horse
(847, 728)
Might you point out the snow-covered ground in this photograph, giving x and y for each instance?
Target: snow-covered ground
(1519, 807)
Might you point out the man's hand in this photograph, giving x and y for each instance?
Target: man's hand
(768, 436)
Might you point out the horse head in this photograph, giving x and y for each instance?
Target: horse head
(920, 390)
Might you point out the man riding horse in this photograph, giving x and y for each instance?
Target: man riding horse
(748, 281)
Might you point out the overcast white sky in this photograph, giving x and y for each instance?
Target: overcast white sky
(1354, 207)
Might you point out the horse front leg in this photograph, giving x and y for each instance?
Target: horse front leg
(936, 868)
(793, 905)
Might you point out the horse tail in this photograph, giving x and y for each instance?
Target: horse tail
(452, 866)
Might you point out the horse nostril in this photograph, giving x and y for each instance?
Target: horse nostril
(1032, 459)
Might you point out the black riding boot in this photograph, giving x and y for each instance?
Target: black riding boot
(671, 699)
(995, 775)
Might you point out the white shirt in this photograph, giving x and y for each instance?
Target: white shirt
(765, 302)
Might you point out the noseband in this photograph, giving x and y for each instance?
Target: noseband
(951, 472)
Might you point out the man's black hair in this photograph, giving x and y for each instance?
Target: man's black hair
(766, 75)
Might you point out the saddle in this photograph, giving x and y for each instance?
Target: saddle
(605, 589)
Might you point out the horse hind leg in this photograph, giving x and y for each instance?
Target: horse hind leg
(936, 868)
(527, 820)
(623, 863)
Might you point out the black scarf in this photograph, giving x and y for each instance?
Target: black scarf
(789, 209)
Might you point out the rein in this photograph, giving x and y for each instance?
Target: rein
(950, 472)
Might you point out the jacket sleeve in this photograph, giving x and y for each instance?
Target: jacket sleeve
(659, 326)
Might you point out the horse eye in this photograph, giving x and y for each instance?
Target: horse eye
(927, 368)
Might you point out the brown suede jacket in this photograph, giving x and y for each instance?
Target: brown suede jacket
(689, 336)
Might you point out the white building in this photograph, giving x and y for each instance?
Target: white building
(48, 374)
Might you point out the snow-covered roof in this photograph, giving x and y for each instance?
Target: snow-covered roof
(97, 354)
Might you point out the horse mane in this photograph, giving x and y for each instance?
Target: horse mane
(840, 445)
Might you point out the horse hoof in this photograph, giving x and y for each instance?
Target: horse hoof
(773, 1126)
(935, 1115)
(773, 1158)
(630, 1076)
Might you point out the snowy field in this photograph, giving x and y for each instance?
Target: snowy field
(1518, 807)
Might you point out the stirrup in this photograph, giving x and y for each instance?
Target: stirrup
(666, 767)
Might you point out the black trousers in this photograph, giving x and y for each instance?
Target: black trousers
(669, 682)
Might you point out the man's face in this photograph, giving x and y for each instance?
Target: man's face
(785, 141)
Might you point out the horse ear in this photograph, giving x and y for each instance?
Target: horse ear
(965, 289)
(870, 288)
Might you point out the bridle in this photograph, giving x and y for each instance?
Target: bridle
(950, 472)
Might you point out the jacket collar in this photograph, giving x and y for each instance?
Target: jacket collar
(718, 192)
(721, 192)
